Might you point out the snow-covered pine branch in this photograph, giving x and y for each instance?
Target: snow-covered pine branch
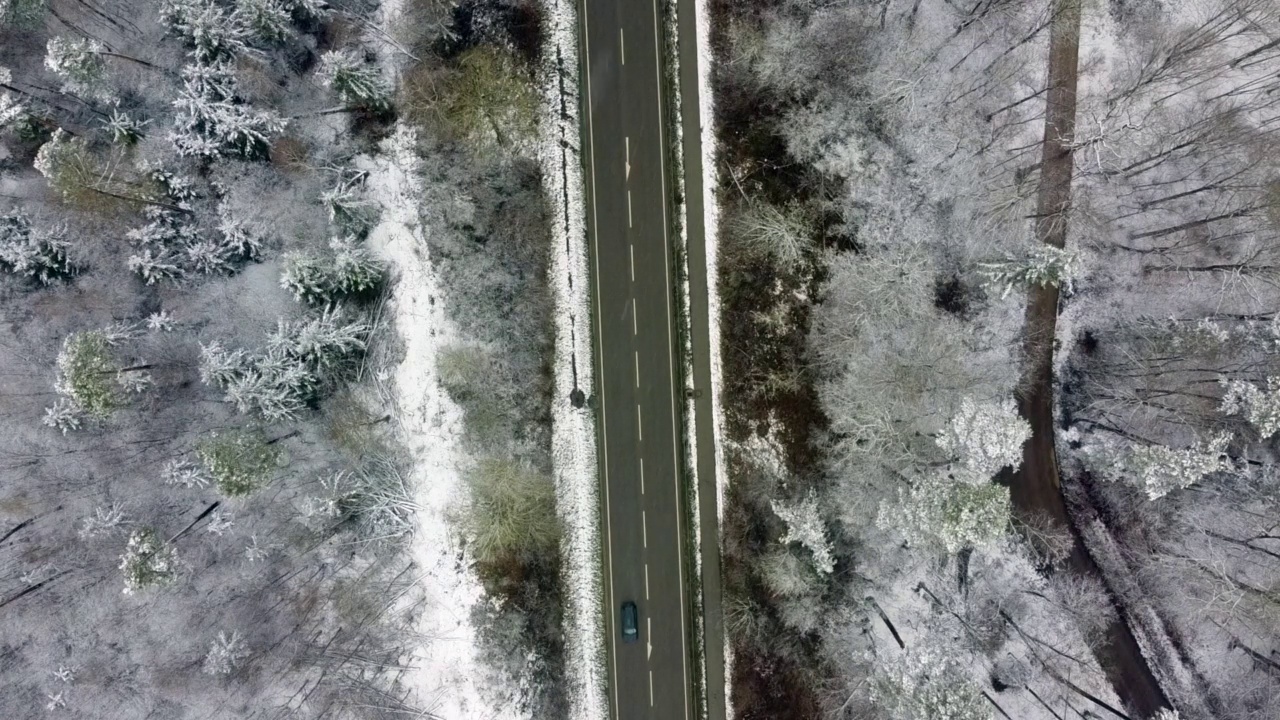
(1157, 469)
(226, 653)
(125, 129)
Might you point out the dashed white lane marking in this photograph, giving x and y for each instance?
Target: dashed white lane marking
(626, 160)
(648, 638)
(650, 688)
(628, 208)
(622, 44)
(637, 354)
(635, 327)
(641, 476)
(646, 581)
(633, 263)
(639, 424)
(644, 529)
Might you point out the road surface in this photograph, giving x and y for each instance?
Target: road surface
(628, 208)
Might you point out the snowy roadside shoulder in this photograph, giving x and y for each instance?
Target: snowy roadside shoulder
(447, 676)
(573, 437)
(711, 230)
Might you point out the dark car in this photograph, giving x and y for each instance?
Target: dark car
(630, 622)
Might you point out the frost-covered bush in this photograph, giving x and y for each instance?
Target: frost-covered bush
(985, 436)
(226, 653)
(147, 561)
(1261, 407)
(510, 512)
(211, 32)
(104, 521)
(79, 64)
(806, 527)
(347, 271)
(87, 374)
(786, 575)
(359, 84)
(1043, 266)
(211, 120)
(491, 100)
(63, 416)
(184, 473)
(41, 256)
(782, 234)
(239, 461)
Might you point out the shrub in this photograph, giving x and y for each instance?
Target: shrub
(348, 271)
(21, 13)
(783, 235)
(239, 461)
(511, 512)
(225, 654)
(147, 561)
(491, 100)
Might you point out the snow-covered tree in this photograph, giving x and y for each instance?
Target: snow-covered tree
(21, 13)
(184, 473)
(41, 256)
(10, 109)
(299, 358)
(239, 461)
(1157, 469)
(806, 527)
(147, 561)
(985, 437)
(64, 416)
(210, 120)
(923, 683)
(1261, 407)
(125, 129)
(104, 521)
(358, 83)
(226, 653)
(347, 271)
(348, 210)
(155, 266)
(949, 511)
(268, 20)
(1042, 266)
(86, 374)
(78, 62)
(211, 31)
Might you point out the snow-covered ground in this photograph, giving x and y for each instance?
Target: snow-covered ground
(446, 677)
(573, 437)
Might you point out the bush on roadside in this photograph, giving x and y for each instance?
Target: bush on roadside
(510, 514)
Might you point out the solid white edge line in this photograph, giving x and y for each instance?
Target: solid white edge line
(604, 423)
(671, 349)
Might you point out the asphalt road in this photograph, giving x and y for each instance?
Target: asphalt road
(628, 196)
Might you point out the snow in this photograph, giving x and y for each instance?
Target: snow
(446, 676)
(573, 438)
(710, 224)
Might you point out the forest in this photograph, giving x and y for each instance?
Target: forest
(999, 302)
(277, 350)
